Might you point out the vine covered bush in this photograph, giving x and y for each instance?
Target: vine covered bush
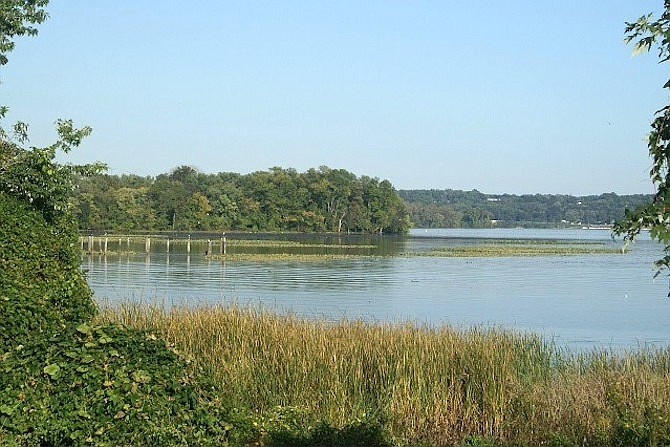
(41, 288)
(65, 380)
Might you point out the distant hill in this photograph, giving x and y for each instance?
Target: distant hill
(432, 208)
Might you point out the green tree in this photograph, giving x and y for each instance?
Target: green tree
(18, 18)
(65, 380)
(197, 211)
(169, 199)
(29, 173)
(135, 211)
(331, 190)
(224, 196)
(645, 34)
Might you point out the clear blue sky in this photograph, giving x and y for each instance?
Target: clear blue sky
(513, 96)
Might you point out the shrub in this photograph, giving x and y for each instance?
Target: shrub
(65, 381)
(105, 385)
(41, 287)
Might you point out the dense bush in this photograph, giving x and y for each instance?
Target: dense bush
(64, 381)
(41, 287)
(104, 385)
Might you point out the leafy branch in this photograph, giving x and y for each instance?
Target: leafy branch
(644, 34)
(32, 174)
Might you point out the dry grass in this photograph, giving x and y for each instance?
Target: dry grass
(426, 385)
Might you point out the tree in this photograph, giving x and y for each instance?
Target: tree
(644, 34)
(30, 173)
(18, 18)
(47, 327)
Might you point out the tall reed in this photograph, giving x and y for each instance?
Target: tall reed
(431, 385)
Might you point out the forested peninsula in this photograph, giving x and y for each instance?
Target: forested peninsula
(319, 200)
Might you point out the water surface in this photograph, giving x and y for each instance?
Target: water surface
(607, 300)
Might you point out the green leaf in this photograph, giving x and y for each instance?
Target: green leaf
(640, 47)
(6, 410)
(141, 376)
(52, 370)
(84, 329)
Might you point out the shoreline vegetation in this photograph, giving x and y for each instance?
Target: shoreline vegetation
(270, 249)
(321, 199)
(295, 381)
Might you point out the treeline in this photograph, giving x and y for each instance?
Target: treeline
(473, 209)
(318, 200)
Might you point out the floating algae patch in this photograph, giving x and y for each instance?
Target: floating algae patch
(491, 248)
(510, 248)
(270, 257)
(269, 243)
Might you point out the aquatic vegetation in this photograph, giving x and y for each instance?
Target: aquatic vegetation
(293, 244)
(273, 249)
(522, 248)
(268, 257)
(413, 384)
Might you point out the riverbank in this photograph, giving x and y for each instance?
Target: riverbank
(408, 384)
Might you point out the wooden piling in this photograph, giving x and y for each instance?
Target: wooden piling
(90, 245)
(147, 245)
(188, 245)
(209, 246)
(167, 246)
(223, 245)
(106, 240)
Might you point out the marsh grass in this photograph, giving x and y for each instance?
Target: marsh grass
(522, 248)
(269, 250)
(301, 257)
(292, 244)
(423, 385)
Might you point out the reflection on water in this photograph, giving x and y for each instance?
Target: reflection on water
(606, 300)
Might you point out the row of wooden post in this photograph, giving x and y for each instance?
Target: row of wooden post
(103, 243)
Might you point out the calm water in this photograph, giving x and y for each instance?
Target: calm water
(581, 301)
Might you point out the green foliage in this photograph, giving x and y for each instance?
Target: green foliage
(31, 175)
(473, 209)
(104, 385)
(41, 287)
(63, 380)
(18, 18)
(66, 381)
(294, 426)
(644, 34)
(323, 200)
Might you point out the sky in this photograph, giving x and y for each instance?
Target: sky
(517, 96)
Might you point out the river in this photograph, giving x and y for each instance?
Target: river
(579, 301)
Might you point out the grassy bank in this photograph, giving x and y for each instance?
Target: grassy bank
(417, 385)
